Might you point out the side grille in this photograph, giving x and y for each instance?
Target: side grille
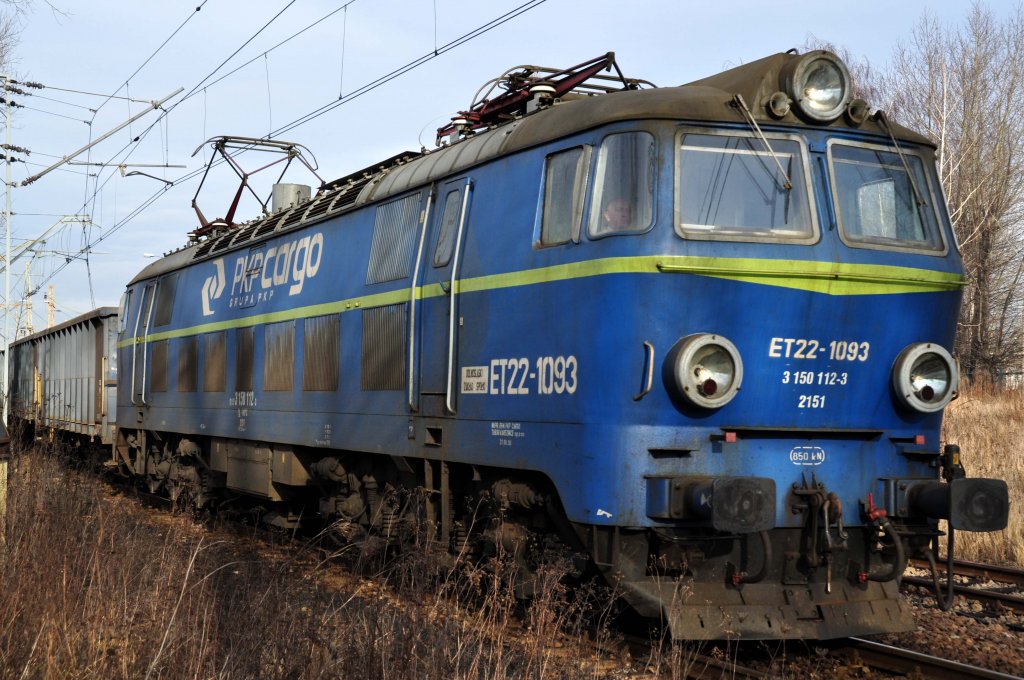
(215, 362)
(279, 356)
(383, 357)
(394, 231)
(244, 346)
(158, 366)
(188, 368)
(321, 347)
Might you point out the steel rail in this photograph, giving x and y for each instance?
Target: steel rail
(994, 572)
(1014, 602)
(906, 661)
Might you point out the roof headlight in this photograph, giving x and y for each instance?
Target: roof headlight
(706, 370)
(819, 84)
(925, 377)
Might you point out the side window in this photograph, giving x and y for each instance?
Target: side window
(623, 200)
(565, 179)
(449, 223)
(165, 300)
(122, 311)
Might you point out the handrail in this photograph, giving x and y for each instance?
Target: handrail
(649, 365)
(453, 291)
(145, 343)
(413, 302)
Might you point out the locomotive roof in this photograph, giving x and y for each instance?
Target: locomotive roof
(707, 100)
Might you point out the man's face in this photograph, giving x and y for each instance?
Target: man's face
(618, 214)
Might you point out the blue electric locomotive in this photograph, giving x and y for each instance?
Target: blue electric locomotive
(698, 334)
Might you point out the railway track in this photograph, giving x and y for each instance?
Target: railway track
(1008, 596)
(1014, 575)
(854, 652)
(915, 664)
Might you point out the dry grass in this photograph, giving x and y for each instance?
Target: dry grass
(988, 424)
(98, 586)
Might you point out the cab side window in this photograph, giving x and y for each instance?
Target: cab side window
(165, 300)
(449, 222)
(565, 182)
(623, 200)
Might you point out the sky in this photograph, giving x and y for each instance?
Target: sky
(146, 51)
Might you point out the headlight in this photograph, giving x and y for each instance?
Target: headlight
(706, 370)
(925, 377)
(819, 84)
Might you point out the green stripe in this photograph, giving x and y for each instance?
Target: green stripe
(829, 278)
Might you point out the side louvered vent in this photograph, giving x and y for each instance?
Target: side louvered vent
(188, 364)
(158, 366)
(215, 362)
(244, 349)
(383, 355)
(279, 356)
(394, 232)
(321, 348)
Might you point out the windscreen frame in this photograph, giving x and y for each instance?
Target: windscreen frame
(803, 175)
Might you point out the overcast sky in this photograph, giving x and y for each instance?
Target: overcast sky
(96, 46)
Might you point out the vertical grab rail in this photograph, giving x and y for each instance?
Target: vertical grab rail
(145, 344)
(649, 373)
(135, 343)
(414, 302)
(453, 292)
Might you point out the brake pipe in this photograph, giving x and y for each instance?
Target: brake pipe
(879, 518)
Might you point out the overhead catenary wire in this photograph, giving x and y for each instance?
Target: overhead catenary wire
(142, 207)
(58, 115)
(158, 49)
(61, 101)
(466, 37)
(271, 49)
(98, 186)
(135, 140)
(202, 82)
(82, 92)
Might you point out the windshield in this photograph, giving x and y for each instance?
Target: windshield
(876, 201)
(732, 188)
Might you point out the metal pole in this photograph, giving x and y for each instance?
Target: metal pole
(3, 499)
(7, 247)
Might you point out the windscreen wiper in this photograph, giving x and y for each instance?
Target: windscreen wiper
(884, 120)
(786, 185)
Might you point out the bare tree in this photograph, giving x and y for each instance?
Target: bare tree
(8, 38)
(961, 86)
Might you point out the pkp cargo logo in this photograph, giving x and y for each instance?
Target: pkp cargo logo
(258, 274)
(214, 286)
